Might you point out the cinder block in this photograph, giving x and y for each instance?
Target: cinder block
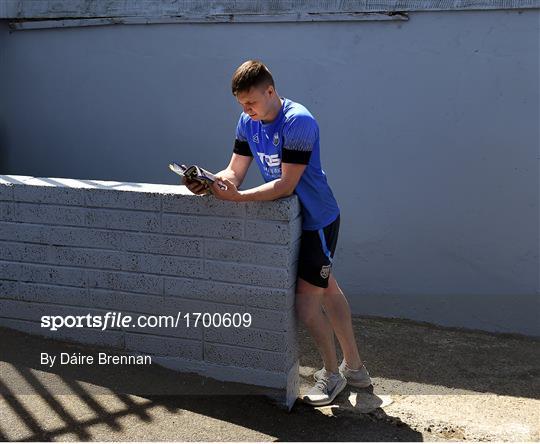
(48, 193)
(249, 274)
(102, 238)
(49, 214)
(82, 237)
(291, 325)
(152, 304)
(112, 198)
(123, 220)
(116, 300)
(241, 357)
(159, 345)
(121, 261)
(285, 209)
(7, 211)
(31, 312)
(8, 289)
(55, 294)
(18, 251)
(13, 231)
(52, 274)
(84, 257)
(144, 303)
(229, 293)
(203, 226)
(123, 281)
(201, 205)
(273, 299)
(164, 264)
(249, 252)
(275, 320)
(10, 271)
(208, 291)
(164, 244)
(292, 385)
(271, 232)
(247, 337)
(6, 190)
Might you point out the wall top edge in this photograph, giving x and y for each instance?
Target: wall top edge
(55, 9)
(63, 182)
(137, 187)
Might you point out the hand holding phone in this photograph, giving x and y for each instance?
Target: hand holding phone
(197, 179)
(195, 187)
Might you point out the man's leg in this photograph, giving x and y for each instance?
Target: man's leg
(338, 312)
(308, 307)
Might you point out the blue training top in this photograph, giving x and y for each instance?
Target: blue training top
(292, 137)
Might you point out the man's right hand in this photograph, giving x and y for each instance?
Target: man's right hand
(194, 186)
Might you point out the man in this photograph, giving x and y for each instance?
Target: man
(283, 137)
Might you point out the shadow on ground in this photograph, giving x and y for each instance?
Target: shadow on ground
(92, 402)
(419, 358)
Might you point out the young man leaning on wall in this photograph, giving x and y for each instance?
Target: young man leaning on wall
(283, 138)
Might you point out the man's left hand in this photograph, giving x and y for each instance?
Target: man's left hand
(231, 193)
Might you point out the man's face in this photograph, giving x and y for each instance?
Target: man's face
(257, 102)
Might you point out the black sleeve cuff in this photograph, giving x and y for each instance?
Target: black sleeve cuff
(242, 147)
(295, 156)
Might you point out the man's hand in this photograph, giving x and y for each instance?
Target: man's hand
(194, 186)
(231, 193)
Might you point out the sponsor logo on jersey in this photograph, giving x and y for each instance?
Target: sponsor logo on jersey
(271, 160)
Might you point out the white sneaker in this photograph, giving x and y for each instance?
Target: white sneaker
(357, 378)
(325, 389)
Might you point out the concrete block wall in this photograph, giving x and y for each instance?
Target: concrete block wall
(71, 246)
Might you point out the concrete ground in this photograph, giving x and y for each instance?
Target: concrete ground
(430, 384)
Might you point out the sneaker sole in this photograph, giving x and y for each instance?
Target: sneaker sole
(342, 385)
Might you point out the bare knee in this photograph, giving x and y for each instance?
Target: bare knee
(332, 294)
(306, 310)
(308, 302)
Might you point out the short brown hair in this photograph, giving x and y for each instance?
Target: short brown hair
(251, 73)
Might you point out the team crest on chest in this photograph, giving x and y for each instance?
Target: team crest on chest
(256, 138)
(275, 141)
(325, 271)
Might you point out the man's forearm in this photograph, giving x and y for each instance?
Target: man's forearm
(229, 174)
(267, 191)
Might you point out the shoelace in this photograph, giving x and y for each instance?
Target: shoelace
(322, 384)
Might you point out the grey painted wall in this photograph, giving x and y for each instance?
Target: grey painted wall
(429, 137)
